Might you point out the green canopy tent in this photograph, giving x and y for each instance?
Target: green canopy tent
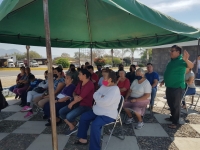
(90, 23)
(87, 24)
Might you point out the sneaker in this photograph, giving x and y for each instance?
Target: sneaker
(29, 114)
(70, 132)
(139, 125)
(26, 108)
(129, 120)
(77, 123)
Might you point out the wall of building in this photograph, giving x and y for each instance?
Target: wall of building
(160, 57)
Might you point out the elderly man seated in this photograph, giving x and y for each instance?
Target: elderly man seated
(138, 98)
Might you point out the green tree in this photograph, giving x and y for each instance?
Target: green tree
(82, 55)
(32, 55)
(127, 60)
(131, 51)
(116, 60)
(63, 61)
(65, 55)
(144, 56)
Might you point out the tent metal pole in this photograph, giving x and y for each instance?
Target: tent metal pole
(91, 55)
(198, 47)
(28, 55)
(50, 75)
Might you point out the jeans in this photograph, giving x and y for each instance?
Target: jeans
(31, 95)
(12, 88)
(190, 91)
(71, 114)
(58, 106)
(95, 131)
(198, 74)
(153, 95)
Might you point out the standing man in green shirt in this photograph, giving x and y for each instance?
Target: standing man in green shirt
(174, 80)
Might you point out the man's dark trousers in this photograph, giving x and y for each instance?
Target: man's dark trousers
(174, 96)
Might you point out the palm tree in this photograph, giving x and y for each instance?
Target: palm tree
(131, 51)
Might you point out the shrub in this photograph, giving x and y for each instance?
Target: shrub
(99, 61)
(63, 61)
(141, 65)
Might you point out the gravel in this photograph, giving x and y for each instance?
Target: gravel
(156, 143)
(17, 141)
(4, 115)
(181, 131)
(8, 126)
(70, 144)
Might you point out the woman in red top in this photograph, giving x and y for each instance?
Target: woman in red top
(83, 101)
(123, 83)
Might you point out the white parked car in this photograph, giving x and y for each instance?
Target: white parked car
(108, 66)
(33, 63)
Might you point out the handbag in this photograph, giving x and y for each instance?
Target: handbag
(39, 90)
(20, 85)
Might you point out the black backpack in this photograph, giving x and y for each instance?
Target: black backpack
(3, 102)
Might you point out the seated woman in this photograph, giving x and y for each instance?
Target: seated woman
(104, 111)
(59, 84)
(131, 75)
(82, 102)
(19, 76)
(23, 83)
(37, 91)
(189, 79)
(100, 83)
(138, 98)
(62, 99)
(123, 83)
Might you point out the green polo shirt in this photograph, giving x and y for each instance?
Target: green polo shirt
(174, 76)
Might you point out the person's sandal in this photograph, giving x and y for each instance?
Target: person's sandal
(77, 142)
(172, 126)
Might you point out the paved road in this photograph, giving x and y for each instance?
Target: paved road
(15, 73)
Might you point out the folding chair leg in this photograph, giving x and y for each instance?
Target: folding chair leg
(164, 107)
(122, 131)
(109, 137)
(111, 133)
(196, 103)
(186, 107)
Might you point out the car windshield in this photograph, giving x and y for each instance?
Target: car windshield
(34, 61)
(20, 61)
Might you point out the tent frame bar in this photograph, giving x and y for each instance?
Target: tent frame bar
(50, 76)
(70, 41)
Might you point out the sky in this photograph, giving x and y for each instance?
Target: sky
(186, 11)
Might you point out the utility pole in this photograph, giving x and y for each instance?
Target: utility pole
(112, 57)
(28, 56)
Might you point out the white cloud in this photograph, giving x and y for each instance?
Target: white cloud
(167, 6)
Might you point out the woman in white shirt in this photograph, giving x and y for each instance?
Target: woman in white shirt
(104, 111)
(138, 98)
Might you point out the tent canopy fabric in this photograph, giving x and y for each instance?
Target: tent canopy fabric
(90, 23)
